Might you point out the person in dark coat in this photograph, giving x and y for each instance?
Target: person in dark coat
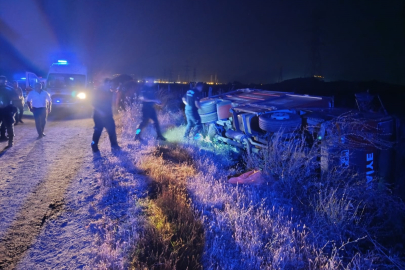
(192, 101)
(103, 115)
(149, 99)
(18, 102)
(7, 112)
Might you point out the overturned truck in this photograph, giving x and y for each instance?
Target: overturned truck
(248, 118)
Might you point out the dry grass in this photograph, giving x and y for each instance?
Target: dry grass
(302, 220)
(173, 236)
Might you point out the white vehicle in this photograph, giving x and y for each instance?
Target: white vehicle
(67, 84)
(28, 82)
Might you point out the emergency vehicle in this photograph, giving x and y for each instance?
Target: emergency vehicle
(67, 85)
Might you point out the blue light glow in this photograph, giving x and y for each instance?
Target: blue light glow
(138, 131)
(62, 61)
(23, 78)
(57, 101)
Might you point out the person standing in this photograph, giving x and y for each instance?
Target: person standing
(40, 104)
(7, 112)
(18, 101)
(103, 116)
(149, 99)
(192, 101)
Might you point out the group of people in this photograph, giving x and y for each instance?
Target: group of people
(103, 114)
(12, 108)
(39, 102)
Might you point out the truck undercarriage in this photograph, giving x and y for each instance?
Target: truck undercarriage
(249, 118)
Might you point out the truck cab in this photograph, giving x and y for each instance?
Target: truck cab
(67, 85)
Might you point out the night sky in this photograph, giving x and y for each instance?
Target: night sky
(239, 40)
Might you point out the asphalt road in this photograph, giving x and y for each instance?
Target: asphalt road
(35, 176)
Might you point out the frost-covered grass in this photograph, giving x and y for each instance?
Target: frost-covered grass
(298, 219)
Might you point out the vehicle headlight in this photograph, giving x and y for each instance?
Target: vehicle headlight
(81, 96)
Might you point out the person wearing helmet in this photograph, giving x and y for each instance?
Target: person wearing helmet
(192, 101)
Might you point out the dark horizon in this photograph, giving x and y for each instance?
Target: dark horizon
(250, 42)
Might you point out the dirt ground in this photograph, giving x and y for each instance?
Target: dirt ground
(45, 189)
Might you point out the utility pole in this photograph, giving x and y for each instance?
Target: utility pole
(280, 74)
(171, 74)
(187, 72)
(315, 46)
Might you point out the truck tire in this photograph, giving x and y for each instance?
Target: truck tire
(273, 122)
(207, 106)
(209, 117)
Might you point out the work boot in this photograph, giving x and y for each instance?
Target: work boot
(21, 122)
(137, 137)
(115, 148)
(94, 148)
(10, 144)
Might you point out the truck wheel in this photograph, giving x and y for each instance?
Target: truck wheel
(273, 122)
(208, 106)
(209, 117)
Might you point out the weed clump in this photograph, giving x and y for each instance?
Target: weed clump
(173, 236)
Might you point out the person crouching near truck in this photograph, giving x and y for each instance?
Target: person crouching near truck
(40, 104)
(103, 115)
(192, 101)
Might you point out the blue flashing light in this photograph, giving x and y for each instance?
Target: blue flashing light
(57, 101)
(138, 131)
(23, 78)
(62, 61)
(319, 137)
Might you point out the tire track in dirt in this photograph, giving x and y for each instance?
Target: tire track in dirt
(55, 162)
(23, 168)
